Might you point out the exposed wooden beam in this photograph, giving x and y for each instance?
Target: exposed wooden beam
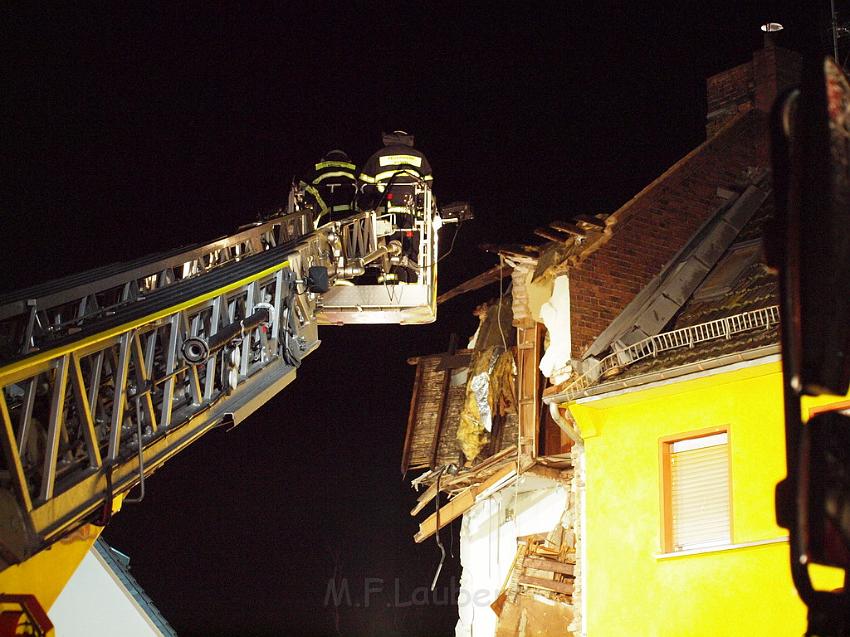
(546, 584)
(593, 222)
(551, 235)
(529, 344)
(544, 472)
(461, 504)
(550, 565)
(425, 498)
(470, 474)
(566, 226)
(476, 283)
(496, 457)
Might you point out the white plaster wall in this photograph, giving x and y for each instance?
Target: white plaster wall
(555, 315)
(94, 603)
(488, 542)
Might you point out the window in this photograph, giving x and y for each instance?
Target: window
(696, 491)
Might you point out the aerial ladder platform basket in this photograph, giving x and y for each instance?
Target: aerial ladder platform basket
(371, 242)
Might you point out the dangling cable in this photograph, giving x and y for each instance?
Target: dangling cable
(437, 534)
(501, 297)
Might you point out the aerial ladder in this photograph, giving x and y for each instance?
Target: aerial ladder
(107, 374)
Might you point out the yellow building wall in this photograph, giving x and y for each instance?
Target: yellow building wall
(632, 590)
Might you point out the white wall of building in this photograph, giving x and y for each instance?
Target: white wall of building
(555, 314)
(95, 603)
(488, 543)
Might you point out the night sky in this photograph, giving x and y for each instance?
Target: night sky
(129, 128)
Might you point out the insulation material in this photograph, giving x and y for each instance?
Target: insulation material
(555, 313)
(488, 545)
(489, 392)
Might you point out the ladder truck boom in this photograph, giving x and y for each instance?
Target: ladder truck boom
(106, 375)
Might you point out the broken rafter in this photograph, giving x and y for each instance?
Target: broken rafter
(448, 482)
(566, 226)
(425, 498)
(462, 503)
(593, 222)
(476, 283)
(552, 235)
(519, 250)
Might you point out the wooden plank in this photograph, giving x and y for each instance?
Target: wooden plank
(551, 235)
(549, 585)
(448, 513)
(544, 472)
(411, 421)
(566, 226)
(476, 283)
(553, 566)
(425, 498)
(529, 341)
(593, 222)
(460, 505)
(477, 469)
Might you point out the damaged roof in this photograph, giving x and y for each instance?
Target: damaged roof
(731, 316)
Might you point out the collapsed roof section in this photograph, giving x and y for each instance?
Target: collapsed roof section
(464, 404)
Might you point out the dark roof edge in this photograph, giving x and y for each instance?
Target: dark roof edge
(673, 373)
(625, 211)
(700, 254)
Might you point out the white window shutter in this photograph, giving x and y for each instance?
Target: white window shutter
(699, 492)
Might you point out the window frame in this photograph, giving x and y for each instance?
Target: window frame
(665, 452)
(842, 406)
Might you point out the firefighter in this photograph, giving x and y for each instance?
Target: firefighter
(398, 165)
(388, 181)
(331, 187)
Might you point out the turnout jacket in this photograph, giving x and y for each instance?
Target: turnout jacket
(397, 157)
(331, 187)
(397, 162)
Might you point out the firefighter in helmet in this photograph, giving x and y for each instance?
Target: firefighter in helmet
(331, 187)
(387, 181)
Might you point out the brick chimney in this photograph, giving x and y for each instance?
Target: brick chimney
(751, 85)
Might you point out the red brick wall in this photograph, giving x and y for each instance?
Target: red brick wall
(660, 222)
(658, 225)
(754, 84)
(728, 93)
